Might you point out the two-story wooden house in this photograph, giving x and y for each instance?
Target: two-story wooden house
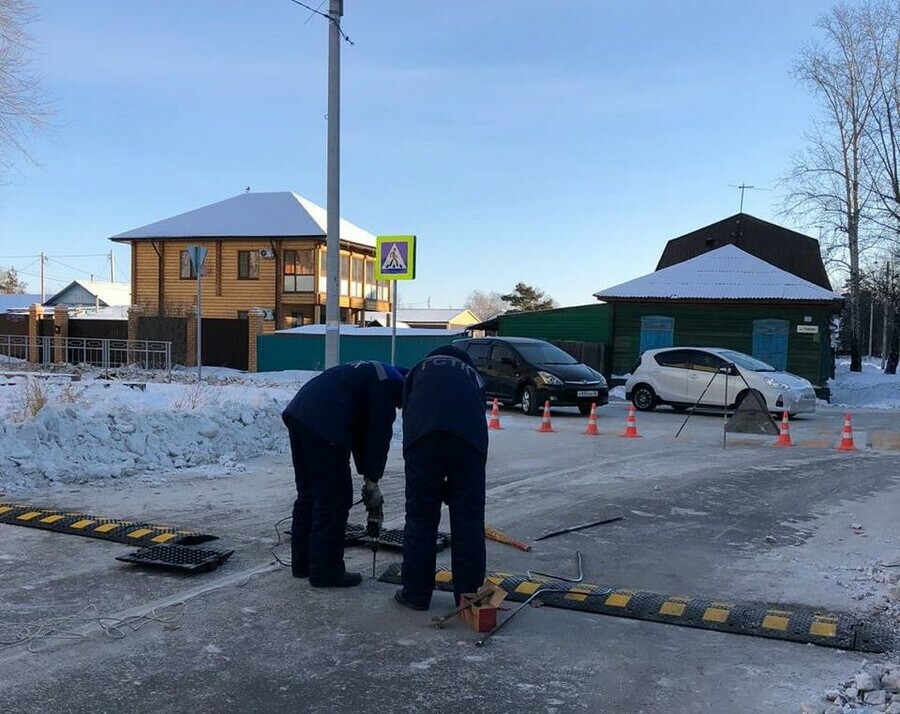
(264, 250)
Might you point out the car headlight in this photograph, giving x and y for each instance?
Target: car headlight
(600, 378)
(550, 379)
(775, 384)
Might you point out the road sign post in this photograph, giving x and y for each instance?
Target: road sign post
(197, 254)
(395, 259)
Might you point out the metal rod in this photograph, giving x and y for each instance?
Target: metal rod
(394, 324)
(533, 573)
(480, 643)
(581, 527)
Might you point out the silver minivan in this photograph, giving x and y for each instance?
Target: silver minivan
(712, 377)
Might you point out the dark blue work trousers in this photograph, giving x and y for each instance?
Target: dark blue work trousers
(443, 467)
(324, 498)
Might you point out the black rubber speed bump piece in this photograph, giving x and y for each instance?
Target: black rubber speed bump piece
(119, 531)
(355, 534)
(795, 623)
(178, 557)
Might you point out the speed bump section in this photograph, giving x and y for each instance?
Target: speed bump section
(112, 529)
(797, 623)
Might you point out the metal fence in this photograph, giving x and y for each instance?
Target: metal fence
(97, 352)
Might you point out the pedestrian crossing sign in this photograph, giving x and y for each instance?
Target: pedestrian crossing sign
(395, 258)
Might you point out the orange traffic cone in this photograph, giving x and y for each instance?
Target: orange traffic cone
(784, 439)
(847, 436)
(592, 422)
(494, 423)
(631, 431)
(545, 422)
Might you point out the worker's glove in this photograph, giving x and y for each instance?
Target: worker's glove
(374, 503)
(371, 495)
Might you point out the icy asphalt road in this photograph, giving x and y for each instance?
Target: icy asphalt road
(749, 522)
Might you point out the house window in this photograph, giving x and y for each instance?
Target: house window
(656, 331)
(357, 273)
(345, 274)
(187, 268)
(371, 288)
(248, 265)
(299, 271)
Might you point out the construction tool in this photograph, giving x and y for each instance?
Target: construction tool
(500, 537)
(578, 579)
(481, 642)
(581, 527)
(373, 530)
(483, 595)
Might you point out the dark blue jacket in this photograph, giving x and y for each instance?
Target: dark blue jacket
(352, 407)
(443, 392)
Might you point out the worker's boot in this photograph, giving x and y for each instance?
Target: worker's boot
(399, 599)
(347, 580)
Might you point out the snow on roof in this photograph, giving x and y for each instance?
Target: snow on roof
(277, 214)
(727, 273)
(357, 331)
(18, 302)
(109, 293)
(412, 315)
(114, 312)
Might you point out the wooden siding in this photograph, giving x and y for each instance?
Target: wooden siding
(728, 325)
(224, 295)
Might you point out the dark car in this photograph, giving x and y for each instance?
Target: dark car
(520, 370)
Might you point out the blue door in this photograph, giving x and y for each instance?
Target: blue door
(656, 332)
(770, 342)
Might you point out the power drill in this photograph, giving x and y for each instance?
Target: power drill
(373, 530)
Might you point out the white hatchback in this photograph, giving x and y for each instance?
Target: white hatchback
(710, 378)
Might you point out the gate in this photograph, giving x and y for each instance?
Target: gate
(13, 324)
(224, 342)
(166, 329)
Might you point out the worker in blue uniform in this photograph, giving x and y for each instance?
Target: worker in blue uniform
(348, 410)
(445, 444)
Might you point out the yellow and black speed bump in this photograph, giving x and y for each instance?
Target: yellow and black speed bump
(798, 624)
(355, 534)
(119, 531)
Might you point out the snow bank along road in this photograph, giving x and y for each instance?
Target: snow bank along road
(807, 525)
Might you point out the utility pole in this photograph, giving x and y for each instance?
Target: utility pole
(332, 241)
(42, 278)
(112, 268)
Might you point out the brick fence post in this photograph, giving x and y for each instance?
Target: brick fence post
(134, 317)
(35, 313)
(190, 346)
(61, 332)
(255, 315)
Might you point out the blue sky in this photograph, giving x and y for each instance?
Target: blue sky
(557, 142)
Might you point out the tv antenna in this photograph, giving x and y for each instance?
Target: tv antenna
(743, 187)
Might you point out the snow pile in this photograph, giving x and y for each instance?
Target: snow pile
(94, 430)
(876, 688)
(870, 388)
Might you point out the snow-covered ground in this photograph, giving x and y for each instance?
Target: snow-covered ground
(53, 430)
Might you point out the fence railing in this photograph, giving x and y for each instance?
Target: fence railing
(95, 351)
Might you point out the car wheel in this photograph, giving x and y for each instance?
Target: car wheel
(530, 400)
(644, 398)
(585, 409)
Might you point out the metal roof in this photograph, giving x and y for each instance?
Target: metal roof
(727, 273)
(108, 293)
(278, 214)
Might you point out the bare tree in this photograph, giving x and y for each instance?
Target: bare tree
(23, 107)
(881, 23)
(826, 182)
(485, 305)
(10, 283)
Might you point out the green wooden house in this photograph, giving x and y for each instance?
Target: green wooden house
(725, 298)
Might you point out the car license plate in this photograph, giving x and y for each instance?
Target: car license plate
(587, 392)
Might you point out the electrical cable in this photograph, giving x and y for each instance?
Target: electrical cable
(327, 17)
(278, 537)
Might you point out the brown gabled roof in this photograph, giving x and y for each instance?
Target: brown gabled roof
(791, 251)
